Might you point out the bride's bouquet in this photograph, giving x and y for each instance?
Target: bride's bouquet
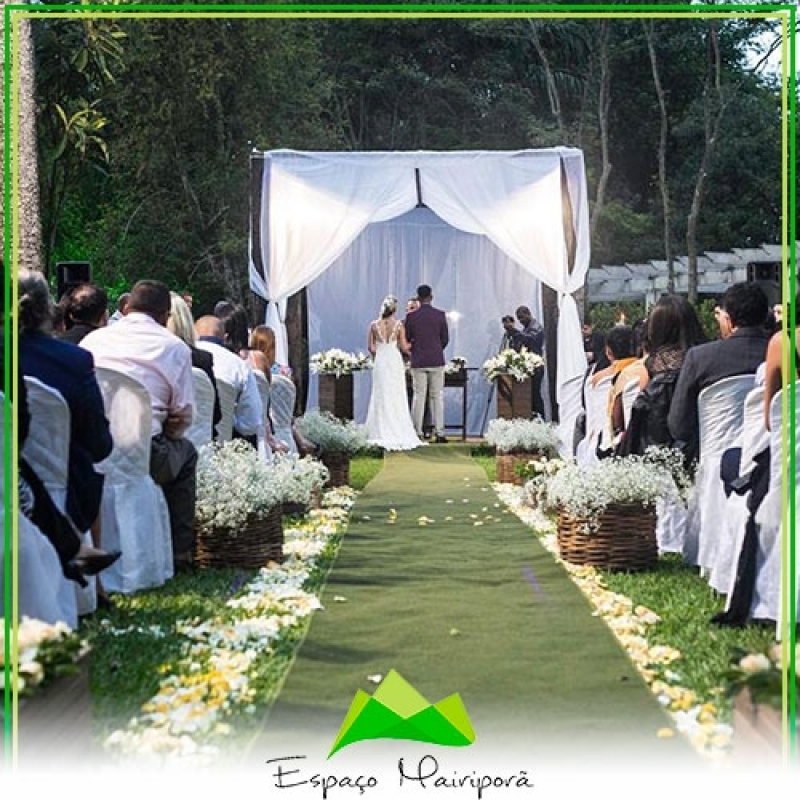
(520, 365)
(339, 362)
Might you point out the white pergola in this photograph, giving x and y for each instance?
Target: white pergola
(310, 207)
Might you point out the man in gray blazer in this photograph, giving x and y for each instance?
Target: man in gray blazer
(744, 308)
(426, 331)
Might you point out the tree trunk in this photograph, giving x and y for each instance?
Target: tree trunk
(28, 237)
(713, 110)
(552, 89)
(604, 103)
(649, 32)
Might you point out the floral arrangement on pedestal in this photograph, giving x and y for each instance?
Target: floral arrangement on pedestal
(455, 365)
(520, 365)
(234, 484)
(332, 434)
(587, 492)
(45, 652)
(339, 362)
(523, 436)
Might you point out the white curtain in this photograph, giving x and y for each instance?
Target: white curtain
(472, 280)
(315, 205)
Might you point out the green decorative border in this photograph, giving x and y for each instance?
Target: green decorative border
(787, 12)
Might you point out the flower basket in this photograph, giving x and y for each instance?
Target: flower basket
(253, 546)
(338, 465)
(336, 395)
(757, 729)
(621, 538)
(514, 398)
(56, 722)
(304, 508)
(507, 463)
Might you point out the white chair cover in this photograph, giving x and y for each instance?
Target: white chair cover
(227, 402)
(134, 512)
(282, 397)
(596, 416)
(671, 517)
(201, 431)
(264, 450)
(47, 451)
(720, 409)
(733, 521)
(628, 396)
(569, 407)
(42, 590)
(767, 595)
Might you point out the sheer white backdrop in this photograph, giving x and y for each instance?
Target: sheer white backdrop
(471, 279)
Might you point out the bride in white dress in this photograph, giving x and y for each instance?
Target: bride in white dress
(389, 424)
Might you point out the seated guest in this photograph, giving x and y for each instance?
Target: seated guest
(672, 328)
(69, 370)
(141, 346)
(774, 380)
(594, 345)
(619, 351)
(743, 313)
(237, 330)
(249, 414)
(122, 308)
(180, 323)
(85, 310)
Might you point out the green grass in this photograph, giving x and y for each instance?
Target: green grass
(483, 455)
(685, 602)
(364, 467)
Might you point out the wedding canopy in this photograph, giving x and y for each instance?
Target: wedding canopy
(529, 205)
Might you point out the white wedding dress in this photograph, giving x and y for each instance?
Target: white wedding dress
(389, 424)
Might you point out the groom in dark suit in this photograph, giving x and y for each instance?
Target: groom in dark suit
(426, 331)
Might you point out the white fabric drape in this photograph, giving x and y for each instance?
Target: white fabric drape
(314, 205)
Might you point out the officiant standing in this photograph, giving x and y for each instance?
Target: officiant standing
(428, 335)
(532, 337)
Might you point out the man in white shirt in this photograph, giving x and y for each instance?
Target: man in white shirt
(248, 418)
(140, 345)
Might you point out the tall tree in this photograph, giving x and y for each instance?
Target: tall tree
(26, 200)
(663, 183)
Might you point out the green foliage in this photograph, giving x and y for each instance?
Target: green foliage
(364, 467)
(604, 316)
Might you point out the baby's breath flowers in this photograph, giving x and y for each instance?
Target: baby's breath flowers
(234, 484)
(333, 435)
(338, 362)
(586, 492)
(523, 436)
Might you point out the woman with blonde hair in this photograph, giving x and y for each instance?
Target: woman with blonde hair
(181, 323)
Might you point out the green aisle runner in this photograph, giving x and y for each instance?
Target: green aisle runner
(482, 610)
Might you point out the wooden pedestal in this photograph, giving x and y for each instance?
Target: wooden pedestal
(513, 398)
(336, 395)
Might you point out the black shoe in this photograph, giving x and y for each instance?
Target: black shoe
(81, 566)
(439, 439)
(184, 567)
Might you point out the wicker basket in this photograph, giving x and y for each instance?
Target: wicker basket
(338, 465)
(304, 508)
(624, 540)
(253, 546)
(507, 463)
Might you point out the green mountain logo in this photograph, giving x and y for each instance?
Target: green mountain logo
(398, 711)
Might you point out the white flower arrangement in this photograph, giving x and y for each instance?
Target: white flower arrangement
(519, 365)
(333, 435)
(234, 484)
(455, 365)
(339, 362)
(523, 435)
(44, 652)
(588, 491)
